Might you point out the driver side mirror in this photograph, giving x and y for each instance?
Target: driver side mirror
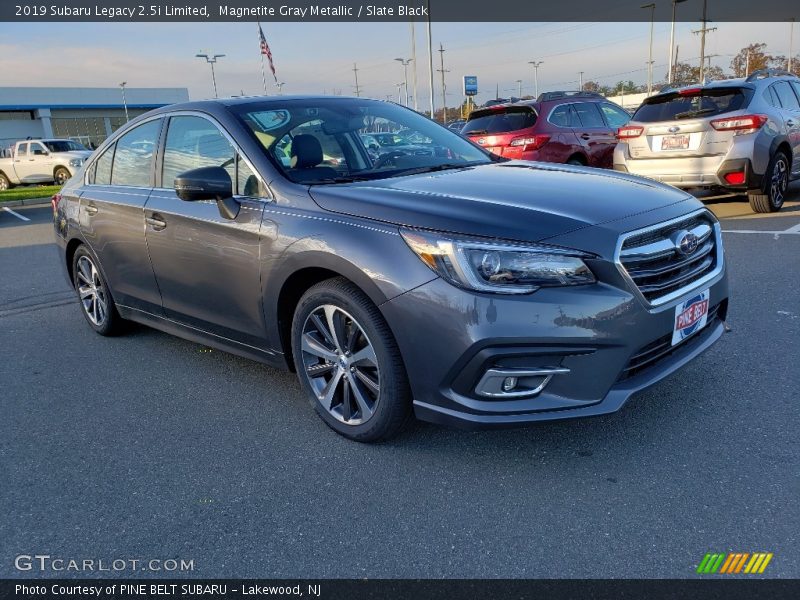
(208, 183)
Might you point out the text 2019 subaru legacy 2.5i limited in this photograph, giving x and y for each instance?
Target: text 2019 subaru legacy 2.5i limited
(455, 285)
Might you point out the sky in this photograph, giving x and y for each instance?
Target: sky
(316, 58)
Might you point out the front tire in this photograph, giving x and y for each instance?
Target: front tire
(348, 362)
(5, 183)
(776, 180)
(97, 304)
(61, 175)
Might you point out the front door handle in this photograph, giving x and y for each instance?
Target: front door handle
(156, 222)
(585, 136)
(91, 209)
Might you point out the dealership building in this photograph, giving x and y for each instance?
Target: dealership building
(86, 115)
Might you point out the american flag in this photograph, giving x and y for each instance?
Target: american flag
(265, 50)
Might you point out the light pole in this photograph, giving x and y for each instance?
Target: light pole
(280, 87)
(652, 7)
(791, 44)
(580, 89)
(519, 88)
(535, 76)
(405, 62)
(672, 41)
(211, 59)
(124, 102)
(400, 90)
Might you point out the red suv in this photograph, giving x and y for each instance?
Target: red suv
(577, 128)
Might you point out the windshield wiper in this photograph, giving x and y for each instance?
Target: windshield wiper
(694, 113)
(435, 168)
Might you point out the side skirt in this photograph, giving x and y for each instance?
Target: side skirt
(273, 359)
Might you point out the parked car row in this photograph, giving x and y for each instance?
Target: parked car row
(740, 135)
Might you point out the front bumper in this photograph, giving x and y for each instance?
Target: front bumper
(449, 338)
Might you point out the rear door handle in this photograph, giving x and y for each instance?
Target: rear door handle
(156, 222)
(790, 123)
(585, 136)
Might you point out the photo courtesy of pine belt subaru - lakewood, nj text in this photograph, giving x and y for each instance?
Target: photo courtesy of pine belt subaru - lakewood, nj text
(453, 284)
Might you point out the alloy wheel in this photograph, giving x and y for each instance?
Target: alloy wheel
(61, 177)
(340, 364)
(91, 291)
(779, 181)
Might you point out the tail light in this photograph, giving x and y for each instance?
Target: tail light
(690, 92)
(735, 178)
(629, 132)
(530, 142)
(54, 201)
(741, 125)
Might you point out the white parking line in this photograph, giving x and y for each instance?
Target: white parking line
(795, 230)
(16, 214)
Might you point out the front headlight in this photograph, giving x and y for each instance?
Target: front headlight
(500, 267)
(76, 162)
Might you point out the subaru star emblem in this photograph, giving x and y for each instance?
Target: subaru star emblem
(674, 129)
(687, 243)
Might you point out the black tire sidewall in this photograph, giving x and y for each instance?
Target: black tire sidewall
(768, 182)
(394, 401)
(60, 170)
(112, 322)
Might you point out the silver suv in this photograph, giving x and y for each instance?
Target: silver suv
(738, 134)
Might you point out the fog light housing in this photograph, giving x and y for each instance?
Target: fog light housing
(501, 383)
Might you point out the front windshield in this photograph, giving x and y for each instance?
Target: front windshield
(64, 146)
(338, 140)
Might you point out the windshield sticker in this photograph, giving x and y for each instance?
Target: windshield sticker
(271, 119)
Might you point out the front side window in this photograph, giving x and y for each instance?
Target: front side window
(37, 150)
(192, 143)
(336, 140)
(133, 159)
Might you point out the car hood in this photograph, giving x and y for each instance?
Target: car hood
(513, 200)
(82, 154)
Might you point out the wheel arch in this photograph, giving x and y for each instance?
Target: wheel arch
(580, 156)
(298, 275)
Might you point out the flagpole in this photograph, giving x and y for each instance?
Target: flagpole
(261, 53)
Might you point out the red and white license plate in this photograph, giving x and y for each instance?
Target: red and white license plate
(690, 317)
(675, 142)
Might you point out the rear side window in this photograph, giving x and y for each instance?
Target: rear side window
(102, 168)
(588, 114)
(771, 96)
(785, 93)
(564, 116)
(501, 120)
(688, 105)
(133, 159)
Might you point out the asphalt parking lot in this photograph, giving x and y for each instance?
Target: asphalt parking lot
(151, 447)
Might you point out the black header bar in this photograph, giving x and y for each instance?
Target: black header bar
(387, 10)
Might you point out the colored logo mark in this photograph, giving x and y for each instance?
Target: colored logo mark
(734, 562)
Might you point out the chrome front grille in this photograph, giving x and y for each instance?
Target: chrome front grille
(669, 259)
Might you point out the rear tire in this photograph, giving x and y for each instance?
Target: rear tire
(97, 304)
(776, 180)
(576, 161)
(348, 362)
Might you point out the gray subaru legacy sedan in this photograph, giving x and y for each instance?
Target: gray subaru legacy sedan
(447, 283)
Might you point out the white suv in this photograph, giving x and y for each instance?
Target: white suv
(738, 134)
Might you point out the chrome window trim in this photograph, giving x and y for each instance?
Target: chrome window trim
(704, 281)
(112, 139)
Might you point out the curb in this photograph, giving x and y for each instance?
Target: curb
(26, 202)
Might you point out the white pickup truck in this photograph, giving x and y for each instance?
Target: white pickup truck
(40, 161)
